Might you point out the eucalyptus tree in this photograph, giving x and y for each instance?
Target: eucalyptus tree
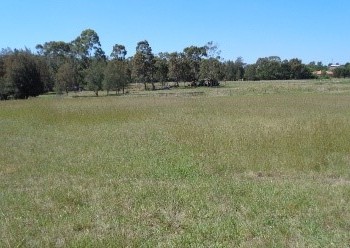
(116, 76)
(67, 77)
(239, 64)
(119, 52)
(194, 55)
(298, 70)
(212, 50)
(179, 68)
(161, 67)
(234, 70)
(46, 73)
(87, 45)
(211, 71)
(174, 67)
(250, 72)
(94, 75)
(86, 49)
(230, 70)
(143, 64)
(55, 52)
(269, 68)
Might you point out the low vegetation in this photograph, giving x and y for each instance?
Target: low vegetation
(247, 164)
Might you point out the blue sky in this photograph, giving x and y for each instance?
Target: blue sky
(305, 29)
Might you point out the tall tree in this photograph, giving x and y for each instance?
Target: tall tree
(211, 71)
(67, 78)
(161, 68)
(116, 76)
(269, 68)
(23, 75)
(285, 70)
(88, 45)
(239, 65)
(212, 50)
(55, 52)
(298, 70)
(143, 64)
(234, 70)
(179, 68)
(119, 52)
(250, 72)
(46, 73)
(230, 70)
(94, 75)
(194, 55)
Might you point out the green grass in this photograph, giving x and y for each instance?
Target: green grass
(250, 164)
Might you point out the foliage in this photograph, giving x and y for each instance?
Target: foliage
(342, 71)
(119, 52)
(161, 69)
(179, 67)
(59, 60)
(94, 75)
(22, 77)
(234, 71)
(88, 45)
(319, 66)
(269, 68)
(211, 71)
(143, 64)
(67, 78)
(6, 89)
(55, 52)
(46, 73)
(298, 70)
(193, 56)
(116, 76)
(273, 68)
(250, 72)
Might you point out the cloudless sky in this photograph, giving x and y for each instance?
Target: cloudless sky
(310, 30)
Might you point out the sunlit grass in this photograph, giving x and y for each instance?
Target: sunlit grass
(227, 168)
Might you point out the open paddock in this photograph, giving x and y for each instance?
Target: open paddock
(246, 164)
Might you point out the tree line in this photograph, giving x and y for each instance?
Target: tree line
(82, 64)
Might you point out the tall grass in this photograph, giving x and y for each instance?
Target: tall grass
(219, 170)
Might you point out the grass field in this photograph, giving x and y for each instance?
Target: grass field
(249, 164)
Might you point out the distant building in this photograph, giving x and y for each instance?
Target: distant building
(318, 73)
(323, 73)
(331, 67)
(329, 72)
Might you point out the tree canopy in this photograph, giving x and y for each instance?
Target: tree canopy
(82, 64)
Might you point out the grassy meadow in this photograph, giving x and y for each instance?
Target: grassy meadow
(249, 164)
